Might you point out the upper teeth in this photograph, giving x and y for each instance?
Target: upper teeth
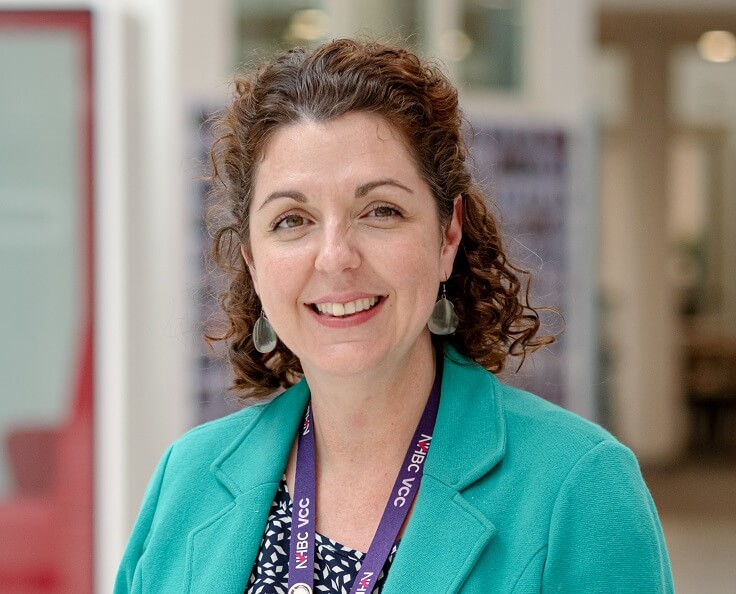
(344, 309)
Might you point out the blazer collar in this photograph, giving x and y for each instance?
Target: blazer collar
(259, 454)
(470, 433)
(469, 440)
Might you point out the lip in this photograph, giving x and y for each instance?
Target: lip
(344, 297)
(352, 320)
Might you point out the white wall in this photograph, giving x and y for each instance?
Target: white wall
(154, 62)
(166, 58)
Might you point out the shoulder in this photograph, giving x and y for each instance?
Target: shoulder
(545, 424)
(255, 437)
(201, 447)
(561, 489)
(526, 431)
(561, 445)
(215, 435)
(572, 453)
(186, 466)
(584, 493)
(519, 414)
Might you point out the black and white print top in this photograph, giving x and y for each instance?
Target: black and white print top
(335, 565)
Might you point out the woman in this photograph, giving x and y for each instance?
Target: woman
(351, 227)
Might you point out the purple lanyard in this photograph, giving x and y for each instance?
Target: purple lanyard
(301, 548)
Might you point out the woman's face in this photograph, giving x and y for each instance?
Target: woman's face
(346, 249)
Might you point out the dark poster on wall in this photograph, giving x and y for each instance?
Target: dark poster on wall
(524, 172)
(213, 374)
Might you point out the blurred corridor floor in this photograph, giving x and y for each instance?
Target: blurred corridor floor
(697, 505)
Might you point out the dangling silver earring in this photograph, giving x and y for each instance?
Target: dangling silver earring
(443, 320)
(264, 337)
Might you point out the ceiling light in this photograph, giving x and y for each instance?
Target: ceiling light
(456, 44)
(307, 25)
(717, 46)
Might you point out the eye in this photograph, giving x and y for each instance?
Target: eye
(289, 221)
(383, 211)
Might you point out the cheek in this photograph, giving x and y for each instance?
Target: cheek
(280, 273)
(417, 263)
(428, 251)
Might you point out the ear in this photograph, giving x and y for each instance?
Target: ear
(248, 258)
(451, 237)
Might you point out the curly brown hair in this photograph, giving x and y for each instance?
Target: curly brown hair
(342, 76)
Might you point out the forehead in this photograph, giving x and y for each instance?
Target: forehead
(343, 149)
(352, 126)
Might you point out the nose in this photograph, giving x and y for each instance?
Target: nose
(337, 251)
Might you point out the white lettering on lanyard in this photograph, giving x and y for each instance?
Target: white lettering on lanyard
(365, 582)
(302, 544)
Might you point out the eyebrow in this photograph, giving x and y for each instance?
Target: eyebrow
(360, 192)
(293, 194)
(370, 186)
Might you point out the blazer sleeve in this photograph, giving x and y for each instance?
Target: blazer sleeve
(605, 535)
(128, 578)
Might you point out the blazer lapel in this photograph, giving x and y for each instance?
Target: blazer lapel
(221, 551)
(447, 533)
(441, 544)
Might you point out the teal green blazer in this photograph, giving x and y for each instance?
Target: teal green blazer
(518, 495)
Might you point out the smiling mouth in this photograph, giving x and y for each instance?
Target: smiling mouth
(340, 310)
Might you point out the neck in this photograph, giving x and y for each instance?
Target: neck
(362, 429)
(375, 413)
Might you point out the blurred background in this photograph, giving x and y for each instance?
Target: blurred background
(604, 130)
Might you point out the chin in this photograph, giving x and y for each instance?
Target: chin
(346, 366)
(344, 360)
(357, 358)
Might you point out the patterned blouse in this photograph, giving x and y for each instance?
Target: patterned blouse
(335, 565)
